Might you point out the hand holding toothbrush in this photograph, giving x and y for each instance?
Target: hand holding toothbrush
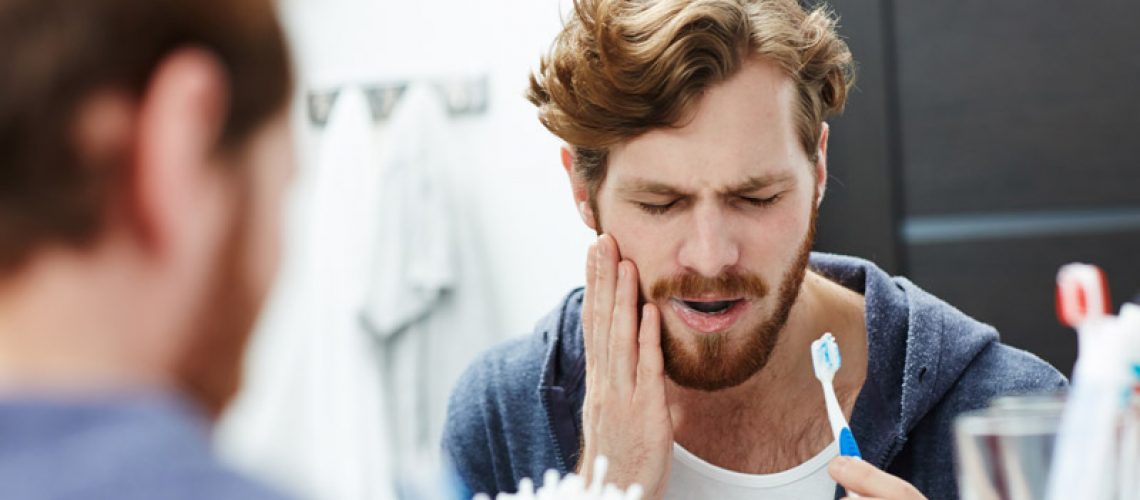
(625, 416)
(859, 478)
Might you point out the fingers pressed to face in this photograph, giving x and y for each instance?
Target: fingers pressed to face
(605, 282)
(588, 312)
(650, 361)
(623, 331)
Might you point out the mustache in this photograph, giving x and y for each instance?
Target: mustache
(729, 283)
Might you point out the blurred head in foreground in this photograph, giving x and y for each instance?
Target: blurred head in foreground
(144, 154)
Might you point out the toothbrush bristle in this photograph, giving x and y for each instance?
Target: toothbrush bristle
(825, 354)
(833, 358)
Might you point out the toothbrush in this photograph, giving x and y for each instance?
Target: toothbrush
(1083, 454)
(826, 361)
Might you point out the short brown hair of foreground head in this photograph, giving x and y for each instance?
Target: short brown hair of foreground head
(620, 68)
(56, 54)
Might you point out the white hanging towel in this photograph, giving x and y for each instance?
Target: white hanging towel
(414, 259)
(312, 413)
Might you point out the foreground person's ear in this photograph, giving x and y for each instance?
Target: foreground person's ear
(180, 119)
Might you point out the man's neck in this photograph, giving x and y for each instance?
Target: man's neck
(70, 328)
(776, 419)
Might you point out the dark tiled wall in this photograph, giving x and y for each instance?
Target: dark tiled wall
(1022, 115)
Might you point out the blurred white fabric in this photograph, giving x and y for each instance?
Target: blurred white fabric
(413, 262)
(379, 308)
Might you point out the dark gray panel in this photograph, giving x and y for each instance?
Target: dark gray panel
(1018, 104)
(959, 228)
(1010, 283)
(858, 213)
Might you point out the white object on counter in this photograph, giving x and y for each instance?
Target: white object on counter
(1087, 461)
(1128, 482)
(571, 487)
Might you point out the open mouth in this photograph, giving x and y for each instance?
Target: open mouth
(710, 307)
(709, 316)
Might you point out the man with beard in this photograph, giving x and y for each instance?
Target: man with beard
(144, 153)
(697, 149)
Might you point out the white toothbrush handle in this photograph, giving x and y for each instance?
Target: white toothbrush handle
(836, 418)
(834, 413)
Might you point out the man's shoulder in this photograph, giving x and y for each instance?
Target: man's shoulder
(127, 483)
(499, 387)
(970, 362)
(187, 483)
(519, 364)
(135, 448)
(499, 425)
(932, 337)
(512, 367)
(971, 352)
(1003, 370)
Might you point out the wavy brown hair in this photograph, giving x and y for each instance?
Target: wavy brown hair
(620, 68)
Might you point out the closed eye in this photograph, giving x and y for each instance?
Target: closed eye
(656, 209)
(760, 202)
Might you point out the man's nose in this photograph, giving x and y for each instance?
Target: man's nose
(710, 247)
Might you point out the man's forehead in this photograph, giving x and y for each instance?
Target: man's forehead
(742, 128)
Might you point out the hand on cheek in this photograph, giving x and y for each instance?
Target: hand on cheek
(625, 416)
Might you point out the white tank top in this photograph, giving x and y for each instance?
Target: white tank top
(693, 478)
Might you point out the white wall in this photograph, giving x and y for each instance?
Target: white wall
(535, 242)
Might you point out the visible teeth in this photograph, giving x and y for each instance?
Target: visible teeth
(710, 307)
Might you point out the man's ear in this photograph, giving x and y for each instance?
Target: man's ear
(180, 119)
(821, 164)
(580, 189)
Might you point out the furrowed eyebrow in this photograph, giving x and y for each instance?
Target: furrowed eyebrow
(756, 183)
(652, 187)
(642, 186)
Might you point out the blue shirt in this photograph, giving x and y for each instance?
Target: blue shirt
(517, 411)
(123, 448)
